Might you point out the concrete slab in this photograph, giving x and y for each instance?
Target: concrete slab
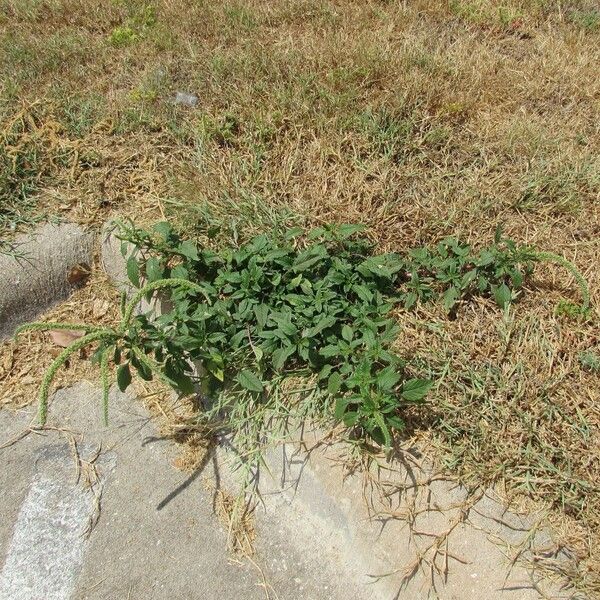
(322, 508)
(137, 550)
(45, 554)
(157, 536)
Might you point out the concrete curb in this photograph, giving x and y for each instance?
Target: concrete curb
(32, 284)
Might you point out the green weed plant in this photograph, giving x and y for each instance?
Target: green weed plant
(314, 306)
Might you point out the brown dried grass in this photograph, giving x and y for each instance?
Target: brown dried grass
(24, 361)
(421, 119)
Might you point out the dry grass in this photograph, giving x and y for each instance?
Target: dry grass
(421, 119)
(23, 362)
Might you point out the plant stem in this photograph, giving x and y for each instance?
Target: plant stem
(157, 285)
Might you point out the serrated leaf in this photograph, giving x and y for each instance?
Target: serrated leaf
(517, 278)
(468, 278)
(324, 322)
(363, 292)
(330, 351)
(369, 338)
(325, 371)
(315, 233)
(248, 380)
(383, 428)
(293, 232)
(215, 370)
(415, 390)
(341, 405)
(258, 353)
(261, 312)
(350, 418)
(410, 300)
(142, 368)
(287, 328)
(236, 339)
(180, 272)
(387, 378)
(184, 383)
(395, 421)
(281, 355)
(154, 271)
(309, 258)
(451, 296)
(346, 230)
(164, 229)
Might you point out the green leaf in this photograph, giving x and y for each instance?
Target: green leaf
(133, 271)
(286, 327)
(281, 355)
(164, 229)
(334, 383)
(308, 258)
(294, 283)
(261, 312)
(517, 278)
(189, 250)
(180, 272)
(451, 295)
(293, 232)
(415, 390)
(382, 427)
(324, 322)
(330, 350)
(258, 353)
(315, 233)
(184, 383)
(350, 418)
(502, 295)
(236, 339)
(123, 377)
(341, 405)
(395, 421)
(387, 378)
(346, 230)
(363, 292)
(369, 338)
(142, 368)
(325, 371)
(384, 265)
(410, 300)
(248, 380)
(347, 333)
(468, 278)
(154, 271)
